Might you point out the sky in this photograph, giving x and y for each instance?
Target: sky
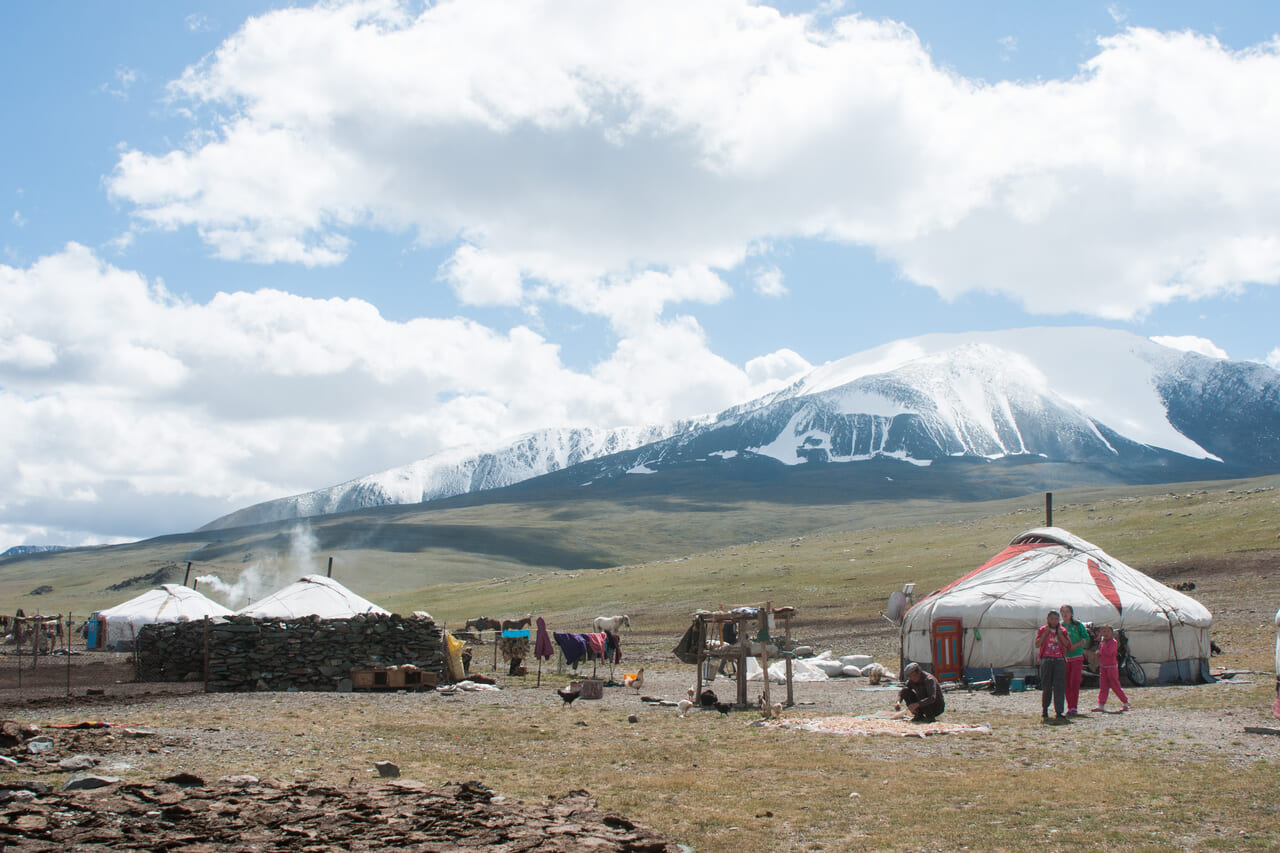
(250, 249)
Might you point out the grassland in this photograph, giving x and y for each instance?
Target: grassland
(1177, 773)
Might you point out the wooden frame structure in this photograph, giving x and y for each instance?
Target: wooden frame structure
(758, 628)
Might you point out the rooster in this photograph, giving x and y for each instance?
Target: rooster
(634, 680)
(568, 694)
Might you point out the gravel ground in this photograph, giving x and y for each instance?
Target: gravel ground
(1213, 728)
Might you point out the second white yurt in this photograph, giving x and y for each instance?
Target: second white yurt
(987, 619)
(313, 595)
(116, 627)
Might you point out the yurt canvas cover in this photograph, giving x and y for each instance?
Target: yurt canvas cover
(313, 595)
(1000, 605)
(170, 603)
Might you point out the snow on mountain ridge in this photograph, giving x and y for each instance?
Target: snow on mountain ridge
(1109, 375)
(459, 470)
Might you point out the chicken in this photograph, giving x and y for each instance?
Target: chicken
(723, 707)
(634, 680)
(568, 694)
(684, 706)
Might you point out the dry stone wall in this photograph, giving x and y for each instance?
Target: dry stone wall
(299, 654)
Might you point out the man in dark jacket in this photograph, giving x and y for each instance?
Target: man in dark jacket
(922, 694)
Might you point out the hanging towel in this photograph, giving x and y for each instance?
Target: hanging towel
(543, 647)
(596, 643)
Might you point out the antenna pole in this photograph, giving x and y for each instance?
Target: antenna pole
(1048, 509)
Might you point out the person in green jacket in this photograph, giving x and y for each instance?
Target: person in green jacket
(1078, 635)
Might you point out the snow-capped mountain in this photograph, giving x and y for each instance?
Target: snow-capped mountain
(1075, 395)
(457, 472)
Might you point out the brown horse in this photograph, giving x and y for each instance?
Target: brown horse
(482, 623)
(516, 624)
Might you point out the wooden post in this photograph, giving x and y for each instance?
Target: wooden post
(187, 576)
(1048, 509)
(764, 649)
(791, 699)
(701, 656)
(68, 651)
(35, 642)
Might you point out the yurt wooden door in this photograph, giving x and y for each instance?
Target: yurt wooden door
(948, 640)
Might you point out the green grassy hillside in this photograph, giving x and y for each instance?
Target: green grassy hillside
(658, 557)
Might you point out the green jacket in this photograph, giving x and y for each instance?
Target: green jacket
(1076, 631)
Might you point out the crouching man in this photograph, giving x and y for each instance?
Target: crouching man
(921, 693)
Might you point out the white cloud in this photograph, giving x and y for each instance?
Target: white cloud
(777, 369)
(769, 282)
(546, 134)
(120, 402)
(18, 219)
(1008, 47)
(121, 83)
(1273, 358)
(1191, 343)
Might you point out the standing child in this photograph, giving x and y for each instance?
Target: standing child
(1109, 670)
(1051, 643)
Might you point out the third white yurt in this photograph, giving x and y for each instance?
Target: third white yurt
(987, 619)
(313, 595)
(116, 627)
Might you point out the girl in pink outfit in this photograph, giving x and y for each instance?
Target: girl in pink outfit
(1109, 670)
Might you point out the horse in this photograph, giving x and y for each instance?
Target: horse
(611, 624)
(516, 624)
(482, 623)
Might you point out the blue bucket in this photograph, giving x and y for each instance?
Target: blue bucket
(1017, 684)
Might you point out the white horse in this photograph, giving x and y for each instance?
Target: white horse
(610, 623)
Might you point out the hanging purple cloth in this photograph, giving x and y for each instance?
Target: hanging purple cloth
(543, 648)
(574, 646)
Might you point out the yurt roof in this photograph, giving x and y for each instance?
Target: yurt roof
(313, 595)
(1049, 566)
(167, 603)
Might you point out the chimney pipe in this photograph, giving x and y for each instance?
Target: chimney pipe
(1048, 509)
(330, 572)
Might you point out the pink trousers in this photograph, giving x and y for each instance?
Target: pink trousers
(1109, 678)
(1075, 672)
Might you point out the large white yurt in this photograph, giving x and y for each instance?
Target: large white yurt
(313, 595)
(987, 619)
(118, 626)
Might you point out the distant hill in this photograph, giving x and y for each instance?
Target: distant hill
(1113, 406)
(23, 550)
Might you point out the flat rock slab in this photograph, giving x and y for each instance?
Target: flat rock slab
(309, 817)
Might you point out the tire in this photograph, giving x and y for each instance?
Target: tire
(1134, 671)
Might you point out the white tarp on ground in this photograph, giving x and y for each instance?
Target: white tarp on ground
(170, 603)
(313, 595)
(1002, 603)
(801, 670)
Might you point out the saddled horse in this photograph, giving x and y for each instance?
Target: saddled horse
(482, 623)
(610, 624)
(516, 624)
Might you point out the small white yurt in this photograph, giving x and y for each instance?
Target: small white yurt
(118, 626)
(313, 595)
(987, 619)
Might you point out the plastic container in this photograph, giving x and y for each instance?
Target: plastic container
(1017, 685)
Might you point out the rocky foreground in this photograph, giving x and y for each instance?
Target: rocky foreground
(89, 811)
(245, 814)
